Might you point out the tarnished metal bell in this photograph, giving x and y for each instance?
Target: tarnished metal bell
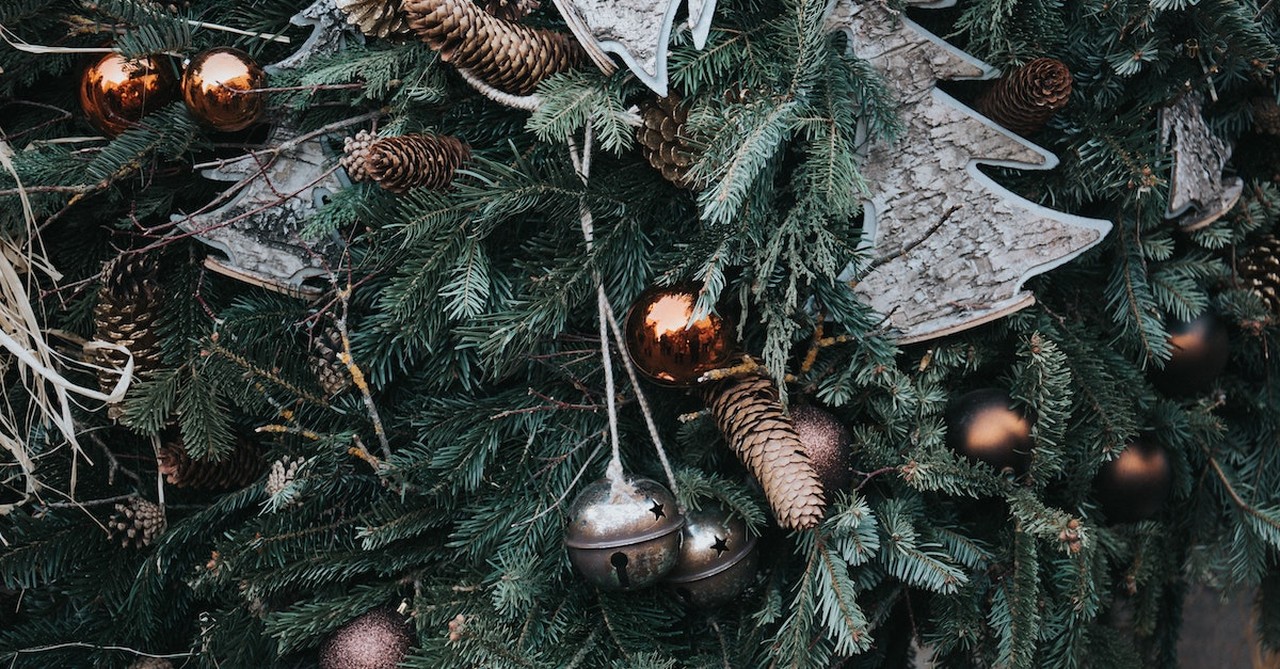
(717, 560)
(624, 536)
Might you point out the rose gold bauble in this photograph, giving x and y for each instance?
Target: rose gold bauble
(378, 639)
(1135, 485)
(115, 93)
(828, 444)
(669, 349)
(222, 89)
(984, 427)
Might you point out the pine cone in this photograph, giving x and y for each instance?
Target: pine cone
(376, 18)
(1259, 271)
(748, 413)
(128, 301)
(415, 161)
(151, 663)
(1266, 115)
(137, 522)
(283, 472)
(508, 56)
(326, 361)
(355, 151)
(510, 10)
(663, 139)
(237, 470)
(1026, 98)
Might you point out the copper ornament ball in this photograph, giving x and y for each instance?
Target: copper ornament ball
(378, 639)
(624, 535)
(1201, 348)
(983, 426)
(222, 89)
(666, 347)
(717, 559)
(827, 443)
(115, 93)
(1135, 485)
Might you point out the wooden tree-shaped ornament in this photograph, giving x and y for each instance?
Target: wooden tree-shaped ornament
(951, 248)
(1198, 193)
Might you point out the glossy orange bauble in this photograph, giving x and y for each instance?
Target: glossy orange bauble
(222, 88)
(115, 93)
(669, 349)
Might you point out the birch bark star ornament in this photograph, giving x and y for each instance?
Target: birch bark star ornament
(951, 248)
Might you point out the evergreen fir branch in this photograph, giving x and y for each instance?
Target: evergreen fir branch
(467, 287)
(572, 100)
(695, 486)
(300, 625)
(737, 154)
(918, 563)
(1015, 613)
(150, 403)
(202, 417)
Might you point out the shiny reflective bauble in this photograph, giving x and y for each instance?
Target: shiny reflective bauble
(1200, 351)
(221, 89)
(116, 93)
(827, 443)
(378, 639)
(984, 427)
(669, 349)
(1135, 485)
(624, 536)
(717, 559)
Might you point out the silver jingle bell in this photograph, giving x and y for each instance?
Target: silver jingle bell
(717, 560)
(624, 536)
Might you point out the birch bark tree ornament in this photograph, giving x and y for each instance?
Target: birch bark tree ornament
(1198, 193)
(637, 30)
(260, 225)
(951, 248)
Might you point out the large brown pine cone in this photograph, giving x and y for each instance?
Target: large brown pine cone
(1266, 115)
(137, 522)
(237, 470)
(128, 302)
(401, 163)
(1025, 99)
(1259, 271)
(376, 18)
(763, 437)
(511, 57)
(664, 139)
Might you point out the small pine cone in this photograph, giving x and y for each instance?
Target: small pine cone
(355, 151)
(511, 57)
(763, 437)
(137, 522)
(510, 10)
(1259, 271)
(128, 301)
(663, 138)
(1026, 98)
(1266, 115)
(326, 361)
(181, 470)
(283, 472)
(415, 161)
(376, 18)
(151, 663)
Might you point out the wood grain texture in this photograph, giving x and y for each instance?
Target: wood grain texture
(951, 248)
(1198, 193)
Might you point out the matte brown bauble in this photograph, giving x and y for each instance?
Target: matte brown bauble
(717, 559)
(115, 93)
(666, 347)
(378, 639)
(624, 535)
(827, 443)
(222, 89)
(1201, 348)
(984, 427)
(1134, 486)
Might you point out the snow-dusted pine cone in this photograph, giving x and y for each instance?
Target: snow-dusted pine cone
(128, 305)
(763, 437)
(137, 522)
(664, 139)
(1025, 99)
(376, 18)
(283, 472)
(511, 57)
(355, 151)
(1259, 271)
(401, 163)
(236, 471)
